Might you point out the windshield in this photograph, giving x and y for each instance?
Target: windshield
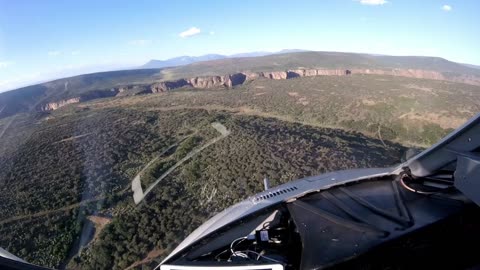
(124, 125)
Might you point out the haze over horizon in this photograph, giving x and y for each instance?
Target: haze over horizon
(40, 41)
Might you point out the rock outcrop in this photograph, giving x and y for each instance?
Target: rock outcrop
(210, 82)
(55, 105)
(274, 75)
(331, 72)
(51, 106)
(316, 72)
(168, 85)
(219, 81)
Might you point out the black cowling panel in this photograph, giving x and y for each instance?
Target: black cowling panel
(344, 222)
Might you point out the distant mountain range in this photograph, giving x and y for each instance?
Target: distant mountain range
(186, 60)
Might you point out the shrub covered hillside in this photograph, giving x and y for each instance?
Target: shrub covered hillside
(66, 174)
(79, 162)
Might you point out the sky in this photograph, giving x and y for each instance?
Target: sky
(43, 40)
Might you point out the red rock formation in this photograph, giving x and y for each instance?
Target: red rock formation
(251, 76)
(274, 75)
(168, 85)
(311, 72)
(330, 72)
(210, 81)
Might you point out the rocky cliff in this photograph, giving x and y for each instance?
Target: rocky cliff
(231, 80)
(55, 105)
(204, 82)
(84, 97)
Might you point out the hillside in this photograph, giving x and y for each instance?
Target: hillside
(325, 60)
(90, 86)
(79, 162)
(181, 60)
(319, 60)
(31, 98)
(185, 60)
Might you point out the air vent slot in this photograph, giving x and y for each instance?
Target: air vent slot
(274, 193)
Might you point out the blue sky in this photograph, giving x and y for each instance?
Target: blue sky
(42, 40)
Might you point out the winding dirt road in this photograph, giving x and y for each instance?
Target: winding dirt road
(138, 197)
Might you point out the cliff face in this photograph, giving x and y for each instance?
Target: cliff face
(168, 85)
(55, 105)
(210, 81)
(202, 82)
(229, 81)
(84, 97)
(219, 81)
(274, 75)
(315, 72)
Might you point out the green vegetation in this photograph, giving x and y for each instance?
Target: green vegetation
(226, 173)
(393, 108)
(164, 162)
(154, 171)
(187, 146)
(45, 240)
(59, 167)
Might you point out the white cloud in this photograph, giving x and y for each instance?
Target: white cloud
(190, 32)
(212, 33)
(4, 64)
(139, 42)
(75, 52)
(373, 2)
(54, 53)
(447, 7)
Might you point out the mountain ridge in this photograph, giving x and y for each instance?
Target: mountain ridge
(180, 60)
(185, 59)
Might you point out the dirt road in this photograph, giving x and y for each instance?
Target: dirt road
(223, 133)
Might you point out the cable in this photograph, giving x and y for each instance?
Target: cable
(216, 257)
(234, 253)
(231, 245)
(263, 256)
(240, 239)
(243, 253)
(240, 254)
(402, 182)
(265, 225)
